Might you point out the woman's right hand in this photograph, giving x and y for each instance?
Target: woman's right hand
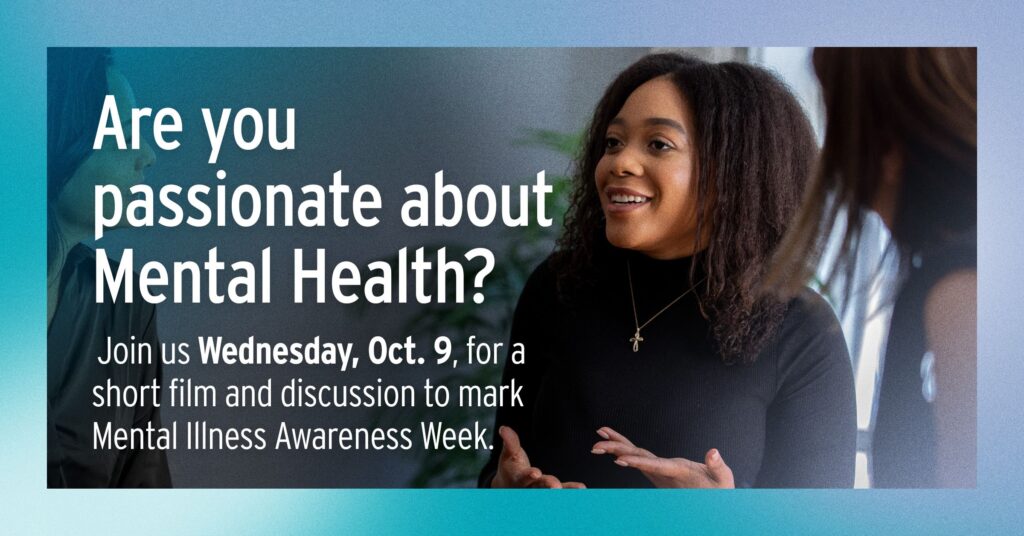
(515, 471)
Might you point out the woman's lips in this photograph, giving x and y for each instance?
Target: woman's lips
(625, 208)
(624, 200)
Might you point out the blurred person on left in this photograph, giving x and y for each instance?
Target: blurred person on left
(80, 327)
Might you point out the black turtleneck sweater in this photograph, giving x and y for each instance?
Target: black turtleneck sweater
(786, 420)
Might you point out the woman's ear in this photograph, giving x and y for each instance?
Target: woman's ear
(889, 185)
(892, 167)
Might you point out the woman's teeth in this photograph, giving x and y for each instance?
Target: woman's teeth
(629, 199)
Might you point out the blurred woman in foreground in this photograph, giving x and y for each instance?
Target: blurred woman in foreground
(901, 141)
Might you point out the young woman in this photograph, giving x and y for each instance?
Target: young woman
(901, 141)
(78, 327)
(650, 355)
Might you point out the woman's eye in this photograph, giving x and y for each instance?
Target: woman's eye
(611, 143)
(659, 145)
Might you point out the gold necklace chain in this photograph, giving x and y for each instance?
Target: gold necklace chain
(636, 339)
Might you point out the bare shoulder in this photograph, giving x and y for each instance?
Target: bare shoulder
(950, 319)
(951, 309)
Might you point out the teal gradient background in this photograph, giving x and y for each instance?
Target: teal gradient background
(26, 506)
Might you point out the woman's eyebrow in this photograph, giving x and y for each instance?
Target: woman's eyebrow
(653, 121)
(664, 121)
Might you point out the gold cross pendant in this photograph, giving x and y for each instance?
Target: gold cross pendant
(636, 340)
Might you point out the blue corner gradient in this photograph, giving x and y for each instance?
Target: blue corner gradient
(28, 28)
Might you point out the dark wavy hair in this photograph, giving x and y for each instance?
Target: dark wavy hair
(920, 103)
(755, 148)
(76, 82)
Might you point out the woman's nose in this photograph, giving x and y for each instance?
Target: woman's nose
(626, 163)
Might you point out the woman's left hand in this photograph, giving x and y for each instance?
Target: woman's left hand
(666, 472)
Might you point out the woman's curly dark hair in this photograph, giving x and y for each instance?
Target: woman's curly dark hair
(755, 149)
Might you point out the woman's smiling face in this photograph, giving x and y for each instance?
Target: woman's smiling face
(647, 177)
